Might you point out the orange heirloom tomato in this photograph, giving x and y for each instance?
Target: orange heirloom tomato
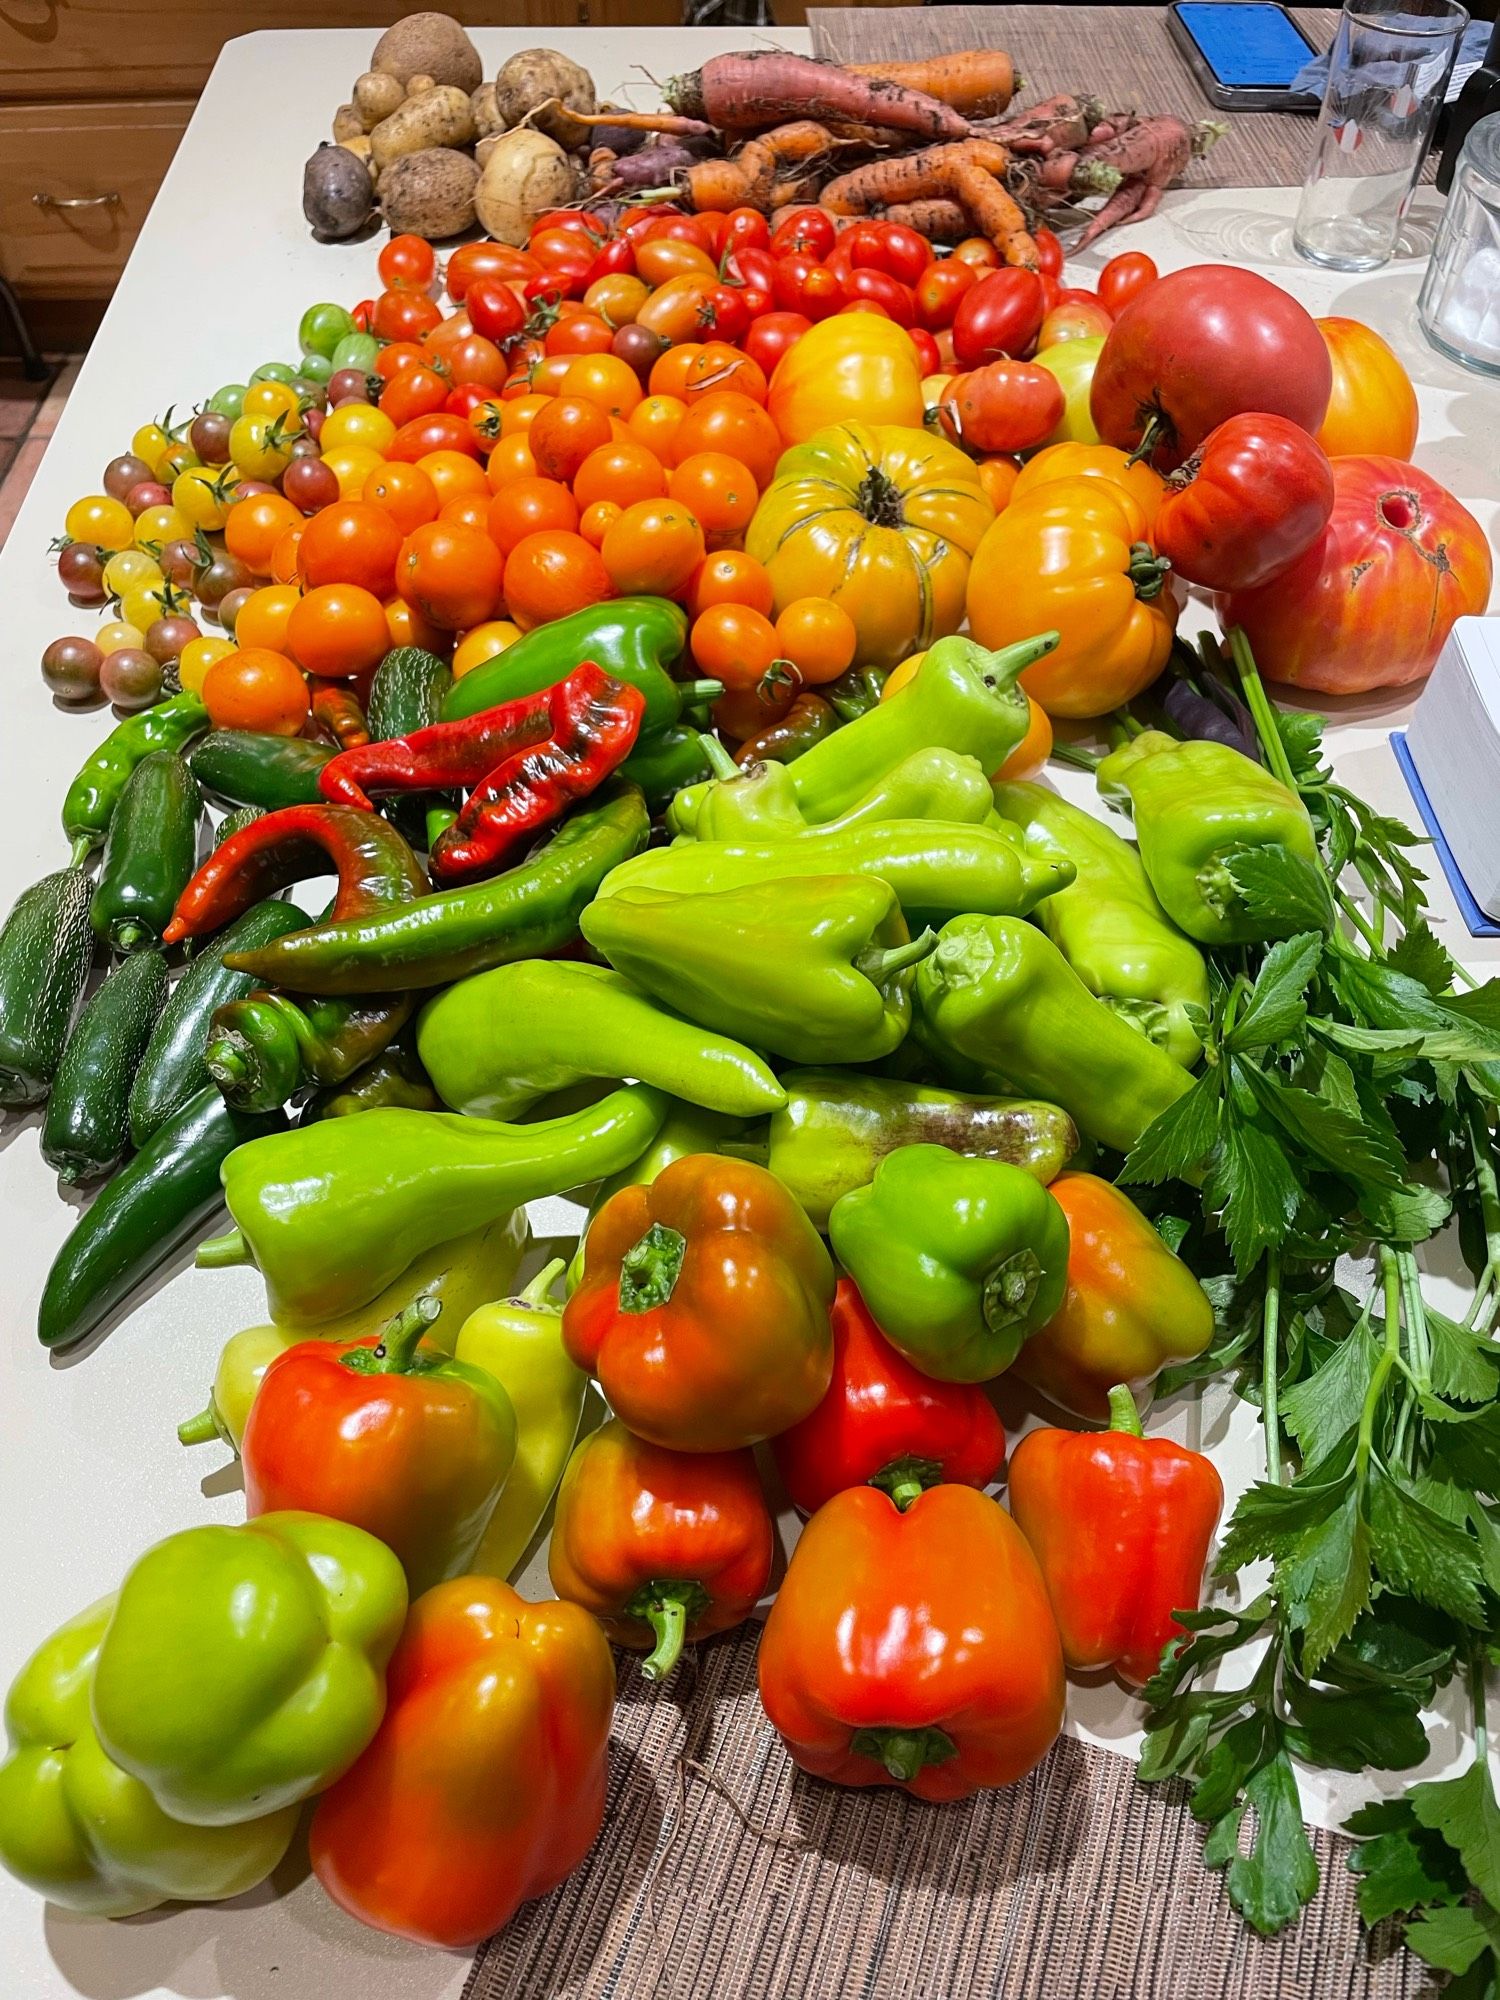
(882, 520)
(338, 629)
(1071, 557)
(1373, 407)
(856, 366)
(653, 549)
(451, 573)
(1094, 461)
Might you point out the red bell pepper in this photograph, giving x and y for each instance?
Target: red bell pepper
(914, 1649)
(662, 1546)
(484, 1785)
(404, 1442)
(703, 1306)
(1120, 1524)
(884, 1423)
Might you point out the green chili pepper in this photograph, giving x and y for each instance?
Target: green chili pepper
(244, 769)
(334, 1211)
(236, 822)
(496, 1044)
(809, 719)
(46, 948)
(531, 909)
(856, 692)
(674, 757)
(393, 1080)
(634, 639)
(818, 970)
(87, 1127)
(746, 802)
(90, 802)
(1109, 926)
(263, 1047)
(149, 853)
(1002, 995)
(1197, 806)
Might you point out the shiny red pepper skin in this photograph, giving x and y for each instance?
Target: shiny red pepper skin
(885, 1423)
(338, 709)
(376, 868)
(1120, 1525)
(443, 755)
(595, 722)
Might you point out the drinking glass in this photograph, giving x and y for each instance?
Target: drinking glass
(1460, 303)
(1387, 72)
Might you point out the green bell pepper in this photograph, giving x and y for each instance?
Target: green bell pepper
(959, 1260)
(739, 802)
(243, 1669)
(496, 1044)
(963, 698)
(937, 870)
(634, 639)
(1109, 926)
(335, 1211)
(838, 1125)
(664, 764)
(1197, 806)
(817, 970)
(89, 1836)
(999, 993)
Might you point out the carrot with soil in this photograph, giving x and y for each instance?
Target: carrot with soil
(977, 82)
(768, 87)
(749, 180)
(870, 190)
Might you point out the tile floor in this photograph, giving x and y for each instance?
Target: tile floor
(28, 416)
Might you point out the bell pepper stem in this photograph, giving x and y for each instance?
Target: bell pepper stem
(1123, 1414)
(904, 1752)
(537, 1294)
(216, 1253)
(127, 936)
(719, 760)
(879, 965)
(650, 1269)
(396, 1353)
(668, 1608)
(203, 1428)
(695, 692)
(907, 1479)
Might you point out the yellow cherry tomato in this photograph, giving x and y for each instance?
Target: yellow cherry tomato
(99, 519)
(159, 525)
(261, 447)
(203, 495)
(197, 656)
(144, 603)
(152, 443)
(129, 570)
(356, 423)
(351, 465)
(481, 643)
(273, 399)
(115, 635)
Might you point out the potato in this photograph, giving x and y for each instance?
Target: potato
(430, 193)
(432, 45)
(347, 123)
(524, 174)
(376, 96)
(487, 119)
(359, 146)
(441, 118)
(336, 193)
(485, 146)
(535, 77)
(418, 86)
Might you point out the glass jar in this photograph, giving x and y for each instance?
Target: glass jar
(1459, 307)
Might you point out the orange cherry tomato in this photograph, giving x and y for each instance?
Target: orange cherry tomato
(717, 365)
(718, 489)
(511, 459)
(452, 574)
(253, 526)
(1034, 748)
(467, 510)
(475, 359)
(729, 576)
(404, 492)
(669, 371)
(596, 521)
(611, 384)
(408, 627)
(734, 644)
(617, 298)
(527, 506)
(521, 413)
(551, 574)
(287, 555)
(977, 250)
(818, 637)
(623, 473)
(545, 377)
(453, 473)
(563, 436)
(998, 477)
(338, 629)
(481, 643)
(728, 422)
(653, 549)
(654, 423)
(397, 356)
(263, 618)
(580, 333)
(351, 542)
(665, 257)
(253, 688)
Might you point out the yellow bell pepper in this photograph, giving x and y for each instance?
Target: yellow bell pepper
(853, 366)
(1094, 461)
(882, 519)
(1072, 556)
(519, 1342)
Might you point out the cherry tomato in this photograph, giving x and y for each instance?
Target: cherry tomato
(734, 644)
(770, 336)
(746, 229)
(439, 431)
(556, 244)
(729, 576)
(818, 637)
(1124, 278)
(254, 526)
(546, 375)
(511, 459)
(476, 359)
(391, 360)
(622, 471)
(806, 231)
(672, 226)
(879, 288)
(728, 422)
(263, 617)
(579, 333)
(577, 221)
(404, 492)
(939, 290)
(483, 643)
(669, 374)
(453, 474)
(353, 542)
(529, 506)
(998, 318)
(470, 397)
(927, 349)
(595, 522)
(1049, 253)
(404, 315)
(472, 261)
(310, 484)
(724, 314)
(258, 690)
(452, 574)
(1005, 406)
(564, 434)
(615, 260)
(887, 246)
(406, 264)
(519, 413)
(1072, 320)
(718, 490)
(338, 629)
(653, 549)
(551, 574)
(639, 348)
(804, 285)
(616, 297)
(493, 308)
(604, 380)
(979, 251)
(655, 423)
(719, 365)
(659, 258)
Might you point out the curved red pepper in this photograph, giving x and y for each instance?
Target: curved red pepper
(376, 868)
(884, 1423)
(443, 755)
(1120, 1524)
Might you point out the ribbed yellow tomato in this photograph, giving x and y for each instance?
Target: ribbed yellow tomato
(1093, 461)
(854, 367)
(881, 519)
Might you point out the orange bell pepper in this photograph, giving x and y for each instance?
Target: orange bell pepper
(914, 1649)
(1120, 1524)
(662, 1546)
(484, 1785)
(1131, 1308)
(703, 1306)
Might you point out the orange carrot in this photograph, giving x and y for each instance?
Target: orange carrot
(977, 82)
(939, 221)
(993, 211)
(767, 86)
(913, 177)
(749, 180)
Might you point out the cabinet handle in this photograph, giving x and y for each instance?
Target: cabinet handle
(110, 200)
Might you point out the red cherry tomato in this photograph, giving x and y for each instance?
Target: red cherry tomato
(473, 261)
(613, 259)
(1076, 295)
(746, 229)
(1124, 278)
(578, 220)
(415, 392)
(772, 335)
(406, 264)
(881, 289)
(467, 398)
(1005, 406)
(809, 231)
(724, 314)
(939, 289)
(803, 285)
(892, 247)
(1049, 253)
(403, 316)
(927, 350)
(442, 431)
(999, 317)
(493, 309)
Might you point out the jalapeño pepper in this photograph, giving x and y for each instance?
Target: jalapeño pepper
(244, 769)
(148, 853)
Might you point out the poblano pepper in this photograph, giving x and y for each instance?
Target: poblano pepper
(818, 970)
(1109, 926)
(1001, 994)
(243, 1669)
(1197, 807)
(89, 1836)
(496, 1044)
(959, 1260)
(333, 1212)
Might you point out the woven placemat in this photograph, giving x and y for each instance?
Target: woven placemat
(724, 1874)
(1121, 54)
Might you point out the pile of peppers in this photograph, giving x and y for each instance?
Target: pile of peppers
(838, 1045)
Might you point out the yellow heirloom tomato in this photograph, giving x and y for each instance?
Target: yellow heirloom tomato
(1093, 461)
(881, 519)
(854, 366)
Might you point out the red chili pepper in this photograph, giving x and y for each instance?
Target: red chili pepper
(444, 754)
(884, 1423)
(341, 715)
(376, 868)
(595, 721)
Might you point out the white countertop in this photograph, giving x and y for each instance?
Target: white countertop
(90, 1472)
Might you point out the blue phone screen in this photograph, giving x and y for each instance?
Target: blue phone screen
(1246, 45)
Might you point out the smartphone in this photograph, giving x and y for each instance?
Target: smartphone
(1244, 53)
